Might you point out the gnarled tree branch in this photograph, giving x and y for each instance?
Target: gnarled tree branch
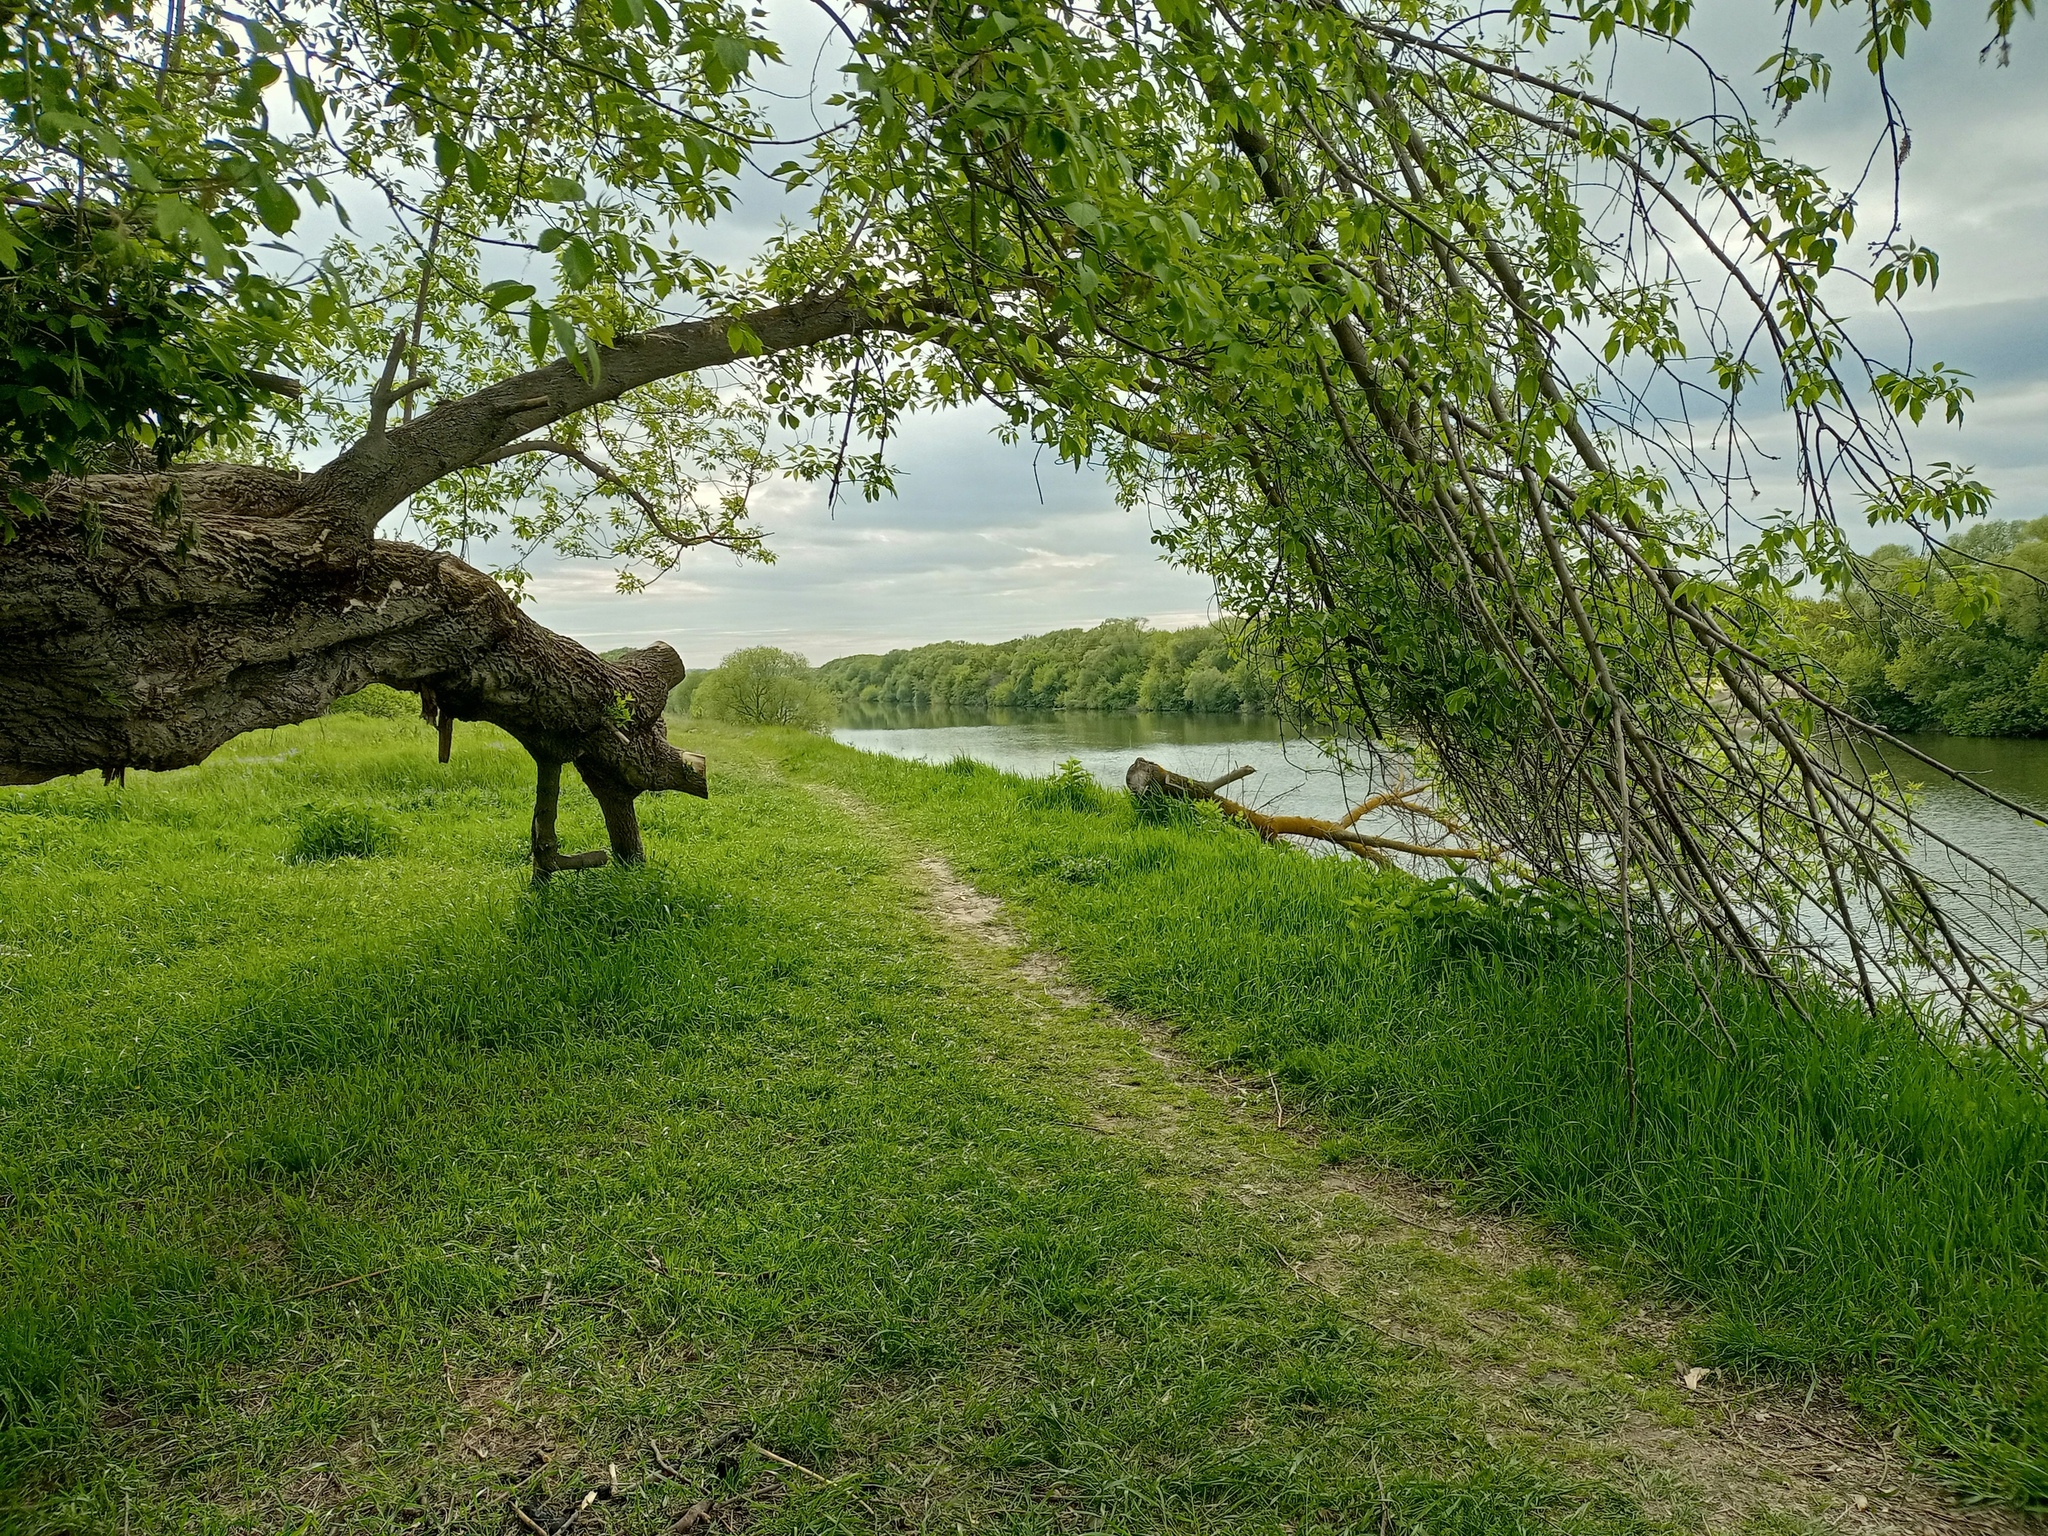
(150, 618)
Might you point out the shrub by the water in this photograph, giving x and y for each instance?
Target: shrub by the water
(1922, 654)
(761, 685)
(1071, 787)
(321, 833)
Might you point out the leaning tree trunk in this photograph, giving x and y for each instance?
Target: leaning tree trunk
(136, 641)
(149, 618)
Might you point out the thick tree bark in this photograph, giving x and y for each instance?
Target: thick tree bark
(149, 618)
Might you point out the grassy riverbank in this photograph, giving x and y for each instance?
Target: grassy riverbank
(378, 1193)
(1841, 1201)
(374, 1193)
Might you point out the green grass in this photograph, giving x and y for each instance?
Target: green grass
(1837, 1201)
(374, 1193)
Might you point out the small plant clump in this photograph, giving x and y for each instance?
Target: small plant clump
(1070, 788)
(325, 833)
(377, 700)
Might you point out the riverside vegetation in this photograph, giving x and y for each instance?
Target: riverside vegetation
(1949, 642)
(1952, 640)
(1116, 665)
(352, 1185)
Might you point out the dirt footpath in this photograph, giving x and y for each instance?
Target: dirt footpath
(1558, 1360)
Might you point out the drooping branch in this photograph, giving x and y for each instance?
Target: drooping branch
(1600, 695)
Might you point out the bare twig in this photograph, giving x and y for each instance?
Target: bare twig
(574, 455)
(785, 1461)
(589, 1498)
(338, 1284)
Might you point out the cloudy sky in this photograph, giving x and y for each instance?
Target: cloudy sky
(985, 541)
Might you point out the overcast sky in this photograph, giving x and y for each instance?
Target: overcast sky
(983, 541)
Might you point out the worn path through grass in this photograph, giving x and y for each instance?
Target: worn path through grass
(1844, 1207)
(1554, 1358)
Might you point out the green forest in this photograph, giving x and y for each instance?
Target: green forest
(1952, 640)
(1118, 665)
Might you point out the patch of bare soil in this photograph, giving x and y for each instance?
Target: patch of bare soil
(1556, 1358)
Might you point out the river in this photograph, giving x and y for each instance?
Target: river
(1295, 778)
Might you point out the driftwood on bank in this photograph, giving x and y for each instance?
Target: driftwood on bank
(1145, 778)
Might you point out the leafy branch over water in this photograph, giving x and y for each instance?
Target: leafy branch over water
(1376, 312)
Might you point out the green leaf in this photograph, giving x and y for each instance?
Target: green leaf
(307, 95)
(555, 188)
(578, 262)
(177, 219)
(565, 336)
(735, 53)
(276, 207)
(503, 295)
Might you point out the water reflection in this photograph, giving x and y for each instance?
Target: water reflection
(1294, 777)
(2015, 768)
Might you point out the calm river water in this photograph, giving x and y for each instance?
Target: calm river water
(1293, 777)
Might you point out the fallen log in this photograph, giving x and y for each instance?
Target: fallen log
(1147, 778)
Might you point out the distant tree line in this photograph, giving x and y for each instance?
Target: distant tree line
(1118, 665)
(1946, 642)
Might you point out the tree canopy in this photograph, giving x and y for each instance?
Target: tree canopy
(762, 685)
(1436, 358)
(1917, 647)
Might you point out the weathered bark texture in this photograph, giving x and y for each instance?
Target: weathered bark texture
(1145, 777)
(149, 618)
